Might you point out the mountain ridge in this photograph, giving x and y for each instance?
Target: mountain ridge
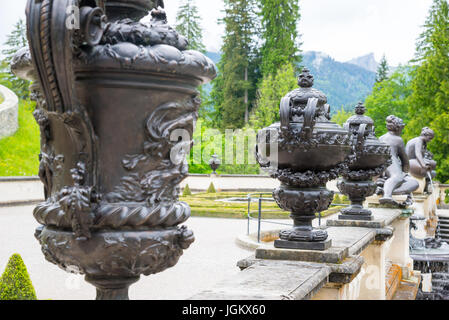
(344, 83)
(367, 61)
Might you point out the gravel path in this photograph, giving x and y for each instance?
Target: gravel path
(211, 258)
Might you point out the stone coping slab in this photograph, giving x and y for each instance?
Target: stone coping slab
(382, 218)
(340, 273)
(270, 280)
(346, 241)
(421, 197)
(444, 213)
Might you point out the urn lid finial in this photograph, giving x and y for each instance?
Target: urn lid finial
(305, 79)
(360, 109)
(360, 118)
(300, 96)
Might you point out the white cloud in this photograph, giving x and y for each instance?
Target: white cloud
(342, 28)
(349, 28)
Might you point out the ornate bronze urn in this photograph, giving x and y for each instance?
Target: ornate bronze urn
(372, 157)
(214, 163)
(115, 96)
(310, 151)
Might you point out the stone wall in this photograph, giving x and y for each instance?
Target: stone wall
(235, 182)
(8, 112)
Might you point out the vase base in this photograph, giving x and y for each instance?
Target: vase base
(112, 288)
(362, 217)
(303, 245)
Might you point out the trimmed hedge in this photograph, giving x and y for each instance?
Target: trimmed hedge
(211, 188)
(15, 283)
(186, 191)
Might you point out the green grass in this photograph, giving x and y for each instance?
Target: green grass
(1, 99)
(204, 205)
(19, 153)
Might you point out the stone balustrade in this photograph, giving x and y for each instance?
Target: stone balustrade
(19, 190)
(367, 260)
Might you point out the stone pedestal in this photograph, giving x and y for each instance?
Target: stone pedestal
(373, 281)
(391, 245)
(399, 252)
(424, 205)
(320, 245)
(422, 185)
(347, 291)
(373, 201)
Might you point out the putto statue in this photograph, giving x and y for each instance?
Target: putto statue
(421, 160)
(395, 180)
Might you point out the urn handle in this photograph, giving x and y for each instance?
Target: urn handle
(309, 118)
(93, 23)
(309, 114)
(360, 138)
(285, 113)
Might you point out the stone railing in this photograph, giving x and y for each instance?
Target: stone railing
(367, 260)
(9, 108)
(442, 196)
(22, 190)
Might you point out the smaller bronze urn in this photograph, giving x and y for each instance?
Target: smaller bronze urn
(214, 163)
(371, 158)
(311, 151)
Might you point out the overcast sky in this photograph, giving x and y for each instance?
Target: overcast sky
(344, 29)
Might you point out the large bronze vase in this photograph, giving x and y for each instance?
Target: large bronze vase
(371, 159)
(117, 105)
(310, 151)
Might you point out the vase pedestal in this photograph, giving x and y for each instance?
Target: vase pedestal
(303, 245)
(110, 288)
(357, 192)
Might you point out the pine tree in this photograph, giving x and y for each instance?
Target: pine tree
(280, 34)
(16, 40)
(234, 88)
(188, 25)
(429, 102)
(272, 90)
(382, 70)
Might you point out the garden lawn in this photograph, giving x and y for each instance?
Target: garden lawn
(19, 154)
(205, 205)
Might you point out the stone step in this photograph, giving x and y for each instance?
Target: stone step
(407, 289)
(440, 283)
(392, 281)
(440, 275)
